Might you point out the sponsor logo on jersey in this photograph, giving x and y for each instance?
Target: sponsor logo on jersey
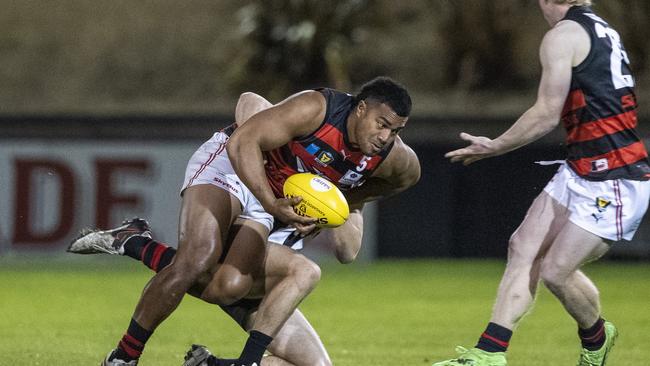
(325, 157)
(351, 178)
(599, 165)
(312, 149)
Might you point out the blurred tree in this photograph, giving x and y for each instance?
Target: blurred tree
(481, 41)
(287, 45)
(165, 55)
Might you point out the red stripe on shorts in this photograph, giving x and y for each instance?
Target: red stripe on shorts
(206, 163)
(619, 211)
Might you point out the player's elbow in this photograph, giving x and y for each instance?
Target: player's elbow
(346, 257)
(547, 114)
(347, 251)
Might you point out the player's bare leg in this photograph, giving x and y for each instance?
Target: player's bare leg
(287, 279)
(297, 343)
(572, 248)
(287, 274)
(518, 286)
(290, 277)
(527, 247)
(206, 214)
(243, 262)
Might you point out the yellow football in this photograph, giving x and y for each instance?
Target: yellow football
(321, 199)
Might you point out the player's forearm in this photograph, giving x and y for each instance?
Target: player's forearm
(347, 238)
(532, 125)
(372, 190)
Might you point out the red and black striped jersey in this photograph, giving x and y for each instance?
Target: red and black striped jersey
(600, 112)
(326, 151)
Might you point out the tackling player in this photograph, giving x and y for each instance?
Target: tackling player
(351, 140)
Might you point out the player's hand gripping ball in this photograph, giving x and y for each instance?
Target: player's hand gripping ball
(321, 199)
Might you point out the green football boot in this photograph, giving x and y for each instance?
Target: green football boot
(599, 357)
(475, 357)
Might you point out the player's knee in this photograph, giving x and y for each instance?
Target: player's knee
(518, 255)
(181, 272)
(227, 287)
(553, 275)
(306, 274)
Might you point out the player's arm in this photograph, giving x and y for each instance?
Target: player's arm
(556, 55)
(271, 128)
(249, 104)
(347, 238)
(399, 171)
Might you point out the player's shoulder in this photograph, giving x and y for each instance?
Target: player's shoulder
(402, 163)
(308, 98)
(567, 39)
(403, 150)
(565, 32)
(308, 107)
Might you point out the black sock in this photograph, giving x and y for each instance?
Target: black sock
(153, 254)
(223, 362)
(593, 338)
(134, 245)
(495, 338)
(132, 343)
(255, 347)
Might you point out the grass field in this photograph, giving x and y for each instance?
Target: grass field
(388, 313)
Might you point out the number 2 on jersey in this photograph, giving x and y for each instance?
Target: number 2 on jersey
(617, 57)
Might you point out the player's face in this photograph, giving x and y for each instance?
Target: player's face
(376, 127)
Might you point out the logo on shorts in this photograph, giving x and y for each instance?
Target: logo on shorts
(601, 204)
(599, 165)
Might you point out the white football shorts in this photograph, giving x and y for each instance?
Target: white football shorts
(210, 165)
(611, 209)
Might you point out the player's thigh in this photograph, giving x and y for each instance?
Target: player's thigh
(298, 343)
(205, 218)
(542, 223)
(572, 248)
(242, 263)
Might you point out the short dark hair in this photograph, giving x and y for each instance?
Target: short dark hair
(383, 89)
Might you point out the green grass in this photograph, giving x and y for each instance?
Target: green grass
(389, 313)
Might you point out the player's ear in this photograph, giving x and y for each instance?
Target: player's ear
(361, 108)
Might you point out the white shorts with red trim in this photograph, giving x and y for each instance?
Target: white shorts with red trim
(611, 209)
(210, 165)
